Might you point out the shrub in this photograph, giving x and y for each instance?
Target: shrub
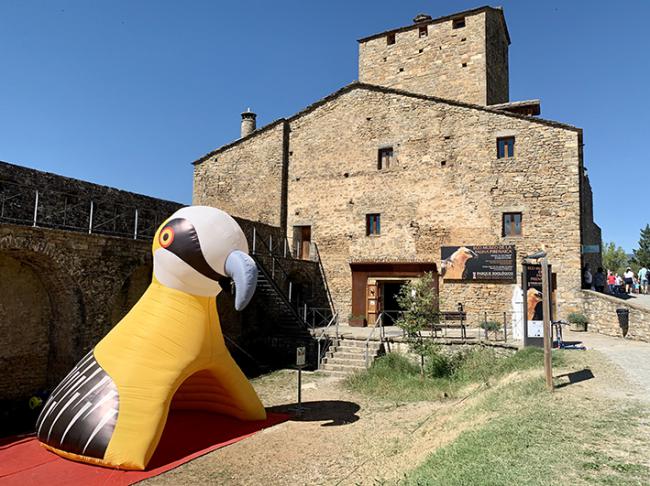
(577, 318)
(491, 326)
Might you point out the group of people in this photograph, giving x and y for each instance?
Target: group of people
(613, 283)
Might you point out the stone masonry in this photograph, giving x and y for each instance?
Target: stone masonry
(445, 186)
(460, 57)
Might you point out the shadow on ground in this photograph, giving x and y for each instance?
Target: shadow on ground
(575, 377)
(336, 412)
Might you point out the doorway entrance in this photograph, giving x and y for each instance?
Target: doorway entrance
(301, 242)
(376, 285)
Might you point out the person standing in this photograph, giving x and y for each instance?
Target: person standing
(611, 281)
(643, 279)
(599, 280)
(587, 279)
(628, 278)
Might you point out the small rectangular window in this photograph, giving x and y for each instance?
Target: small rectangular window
(505, 147)
(373, 226)
(511, 224)
(385, 158)
(423, 32)
(458, 23)
(390, 39)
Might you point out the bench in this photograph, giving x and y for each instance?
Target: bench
(446, 321)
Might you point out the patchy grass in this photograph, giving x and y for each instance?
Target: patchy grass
(395, 377)
(536, 438)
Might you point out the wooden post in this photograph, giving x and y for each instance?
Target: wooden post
(546, 308)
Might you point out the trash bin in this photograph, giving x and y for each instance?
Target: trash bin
(623, 319)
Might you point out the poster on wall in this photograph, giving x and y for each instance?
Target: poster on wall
(533, 303)
(486, 263)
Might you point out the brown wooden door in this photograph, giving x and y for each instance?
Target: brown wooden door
(302, 241)
(373, 302)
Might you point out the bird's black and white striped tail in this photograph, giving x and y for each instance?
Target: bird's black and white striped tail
(81, 413)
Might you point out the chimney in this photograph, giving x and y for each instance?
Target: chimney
(419, 18)
(247, 122)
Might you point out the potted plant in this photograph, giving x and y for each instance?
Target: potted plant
(357, 320)
(577, 322)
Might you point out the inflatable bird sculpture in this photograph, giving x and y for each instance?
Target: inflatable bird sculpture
(168, 351)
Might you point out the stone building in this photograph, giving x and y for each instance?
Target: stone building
(425, 152)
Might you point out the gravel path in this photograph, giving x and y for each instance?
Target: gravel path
(633, 357)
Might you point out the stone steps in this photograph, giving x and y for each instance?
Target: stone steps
(347, 356)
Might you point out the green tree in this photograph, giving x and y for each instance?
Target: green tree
(419, 300)
(614, 258)
(642, 254)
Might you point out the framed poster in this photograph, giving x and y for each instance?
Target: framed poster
(485, 263)
(534, 303)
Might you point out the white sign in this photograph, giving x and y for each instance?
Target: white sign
(300, 356)
(535, 328)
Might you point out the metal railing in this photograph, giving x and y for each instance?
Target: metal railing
(30, 206)
(379, 324)
(322, 350)
(324, 278)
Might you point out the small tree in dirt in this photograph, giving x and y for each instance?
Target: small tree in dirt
(642, 255)
(419, 301)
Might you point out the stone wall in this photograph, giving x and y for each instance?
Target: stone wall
(245, 178)
(466, 64)
(446, 187)
(600, 310)
(65, 203)
(591, 235)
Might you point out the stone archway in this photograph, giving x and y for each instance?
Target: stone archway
(42, 312)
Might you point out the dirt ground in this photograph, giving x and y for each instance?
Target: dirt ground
(345, 438)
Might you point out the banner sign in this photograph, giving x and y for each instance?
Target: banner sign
(533, 303)
(487, 263)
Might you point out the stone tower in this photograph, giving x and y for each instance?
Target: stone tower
(461, 57)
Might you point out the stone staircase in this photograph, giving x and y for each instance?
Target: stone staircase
(348, 355)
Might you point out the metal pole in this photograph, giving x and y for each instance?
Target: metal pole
(284, 252)
(305, 314)
(299, 390)
(273, 268)
(90, 222)
(36, 207)
(547, 325)
(290, 290)
(505, 328)
(271, 245)
(318, 358)
(254, 237)
(135, 226)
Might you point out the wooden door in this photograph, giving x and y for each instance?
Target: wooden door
(302, 241)
(373, 302)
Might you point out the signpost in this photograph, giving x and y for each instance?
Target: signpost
(537, 284)
(300, 364)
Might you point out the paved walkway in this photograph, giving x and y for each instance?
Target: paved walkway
(632, 356)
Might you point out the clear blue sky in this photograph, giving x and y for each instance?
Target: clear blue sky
(129, 93)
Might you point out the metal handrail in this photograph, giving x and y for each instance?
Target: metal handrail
(280, 293)
(48, 210)
(246, 353)
(333, 320)
(323, 276)
(379, 323)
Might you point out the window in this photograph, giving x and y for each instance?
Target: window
(505, 147)
(423, 31)
(390, 39)
(385, 158)
(458, 23)
(511, 224)
(373, 226)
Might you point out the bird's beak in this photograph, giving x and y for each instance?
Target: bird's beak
(242, 269)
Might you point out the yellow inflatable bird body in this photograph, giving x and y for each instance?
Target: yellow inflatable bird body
(167, 352)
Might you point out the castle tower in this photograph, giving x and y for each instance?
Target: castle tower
(461, 57)
(248, 122)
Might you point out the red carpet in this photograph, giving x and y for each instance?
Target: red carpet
(187, 435)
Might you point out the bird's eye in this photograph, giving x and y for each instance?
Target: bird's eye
(166, 236)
